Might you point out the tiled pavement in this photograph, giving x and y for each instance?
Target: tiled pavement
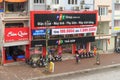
(22, 71)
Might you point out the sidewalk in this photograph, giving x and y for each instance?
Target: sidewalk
(22, 71)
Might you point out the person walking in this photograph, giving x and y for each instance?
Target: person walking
(77, 57)
(95, 50)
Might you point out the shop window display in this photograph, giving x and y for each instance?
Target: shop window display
(67, 48)
(14, 53)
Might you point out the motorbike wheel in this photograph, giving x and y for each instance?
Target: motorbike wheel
(34, 65)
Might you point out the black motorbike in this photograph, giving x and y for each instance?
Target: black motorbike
(42, 62)
(117, 50)
(58, 58)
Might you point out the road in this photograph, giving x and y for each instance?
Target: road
(106, 74)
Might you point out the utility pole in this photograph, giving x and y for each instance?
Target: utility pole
(46, 67)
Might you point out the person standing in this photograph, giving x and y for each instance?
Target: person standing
(77, 57)
(95, 50)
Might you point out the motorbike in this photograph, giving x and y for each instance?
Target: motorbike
(33, 60)
(58, 58)
(117, 49)
(51, 58)
(42, 62)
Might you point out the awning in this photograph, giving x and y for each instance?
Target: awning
(15, 0)
(1, 0)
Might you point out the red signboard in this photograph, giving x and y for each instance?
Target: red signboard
(16, 34)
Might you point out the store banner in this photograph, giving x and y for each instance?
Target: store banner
(64, 31)
(71, 40)
(60, 19)
(52, 42)
(39, 43)
(16, 34)
(40, 32)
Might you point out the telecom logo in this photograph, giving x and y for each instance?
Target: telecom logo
(60, 17)
(59, 42)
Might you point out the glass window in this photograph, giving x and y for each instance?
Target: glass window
(10, 25)
(103, 10)
(55, 1)
(15, 7)
(117, 6)
(39, 1)
(117, 23)
(72, 1)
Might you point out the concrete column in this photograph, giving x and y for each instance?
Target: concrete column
(44, 51)
(3, 56)
(27, 55)
(59, 48)
(88, 48)
(73, 48)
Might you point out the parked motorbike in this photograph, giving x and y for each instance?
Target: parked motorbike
(33, 60)
(51, 58)
(58, 58)
(42, 62)
(117, 49)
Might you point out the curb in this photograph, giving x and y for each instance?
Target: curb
(75, 72)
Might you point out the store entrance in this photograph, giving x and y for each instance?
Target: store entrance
(67, 48)
(14, 53)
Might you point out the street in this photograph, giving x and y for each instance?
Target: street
(105, 74)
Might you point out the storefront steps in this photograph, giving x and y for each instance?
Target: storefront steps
(15, 63)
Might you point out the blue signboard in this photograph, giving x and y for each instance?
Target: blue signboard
(40, 32)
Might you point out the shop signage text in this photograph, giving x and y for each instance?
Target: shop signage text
(63, 41)
(47, 18)
(38, 32)
(73, 30)
(16, 34)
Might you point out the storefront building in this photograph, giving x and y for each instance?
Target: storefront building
(68, 30)
(14, 30)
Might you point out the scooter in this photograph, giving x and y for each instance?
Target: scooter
(42, 62)
(58, 58)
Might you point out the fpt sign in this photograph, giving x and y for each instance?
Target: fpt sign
(71, 18)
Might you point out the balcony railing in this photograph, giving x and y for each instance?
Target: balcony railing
(15, 15)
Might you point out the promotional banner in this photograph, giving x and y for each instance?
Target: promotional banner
(40, 32)
(16, 34)
(64, 31)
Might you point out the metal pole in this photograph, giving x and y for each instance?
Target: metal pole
(46, 67)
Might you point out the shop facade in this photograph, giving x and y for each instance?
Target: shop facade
(66, 31)
(16, 44)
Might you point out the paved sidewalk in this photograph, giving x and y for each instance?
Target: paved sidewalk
(22, 71)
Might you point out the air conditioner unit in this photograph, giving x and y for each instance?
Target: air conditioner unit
(61, 8)
(87, 7)
(82, 2)
(76, 8)
(48, 7)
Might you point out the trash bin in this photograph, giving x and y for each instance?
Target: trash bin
(51, 67)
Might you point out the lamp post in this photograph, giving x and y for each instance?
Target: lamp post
(46, 67)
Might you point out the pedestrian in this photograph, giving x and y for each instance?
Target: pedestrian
(77, 57)
(95, 50)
